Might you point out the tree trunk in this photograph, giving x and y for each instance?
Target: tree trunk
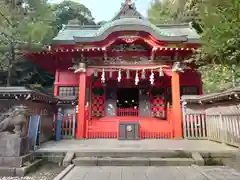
(11, 60)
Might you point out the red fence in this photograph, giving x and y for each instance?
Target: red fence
(127, 111)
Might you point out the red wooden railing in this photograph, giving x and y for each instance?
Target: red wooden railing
(127, 111)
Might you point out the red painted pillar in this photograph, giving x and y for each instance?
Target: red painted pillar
(80, 132)
(56, 83)
(176, 106)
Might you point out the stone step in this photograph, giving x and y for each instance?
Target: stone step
(134, 153)
(133, 161)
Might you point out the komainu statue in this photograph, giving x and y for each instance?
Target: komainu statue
(12, 124)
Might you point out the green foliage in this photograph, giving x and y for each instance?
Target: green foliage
(218, 77)
(69, 10)
(161, 12)
(221, 37)
(219, 23)
(27, 25)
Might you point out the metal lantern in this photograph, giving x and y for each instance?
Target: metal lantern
(119, 76)
(136, 78)
(128, 74)
(143, 74)
(103, 76)
(152, 78)
(161, 73)
(110, 74)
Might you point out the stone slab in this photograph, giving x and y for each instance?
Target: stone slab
(123, 162)
(7, 171)
(152, 173)
(61, 175)
(132, 153)
(171, 162)
(198, 159)
(68, 159)
(133, 161)
(202, 146)
(85, 161)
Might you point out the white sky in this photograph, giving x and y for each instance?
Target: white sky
(106, 9)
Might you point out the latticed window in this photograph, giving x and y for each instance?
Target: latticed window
(68, 91)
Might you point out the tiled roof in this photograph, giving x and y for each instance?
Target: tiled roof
(233, 93)
(90, 33)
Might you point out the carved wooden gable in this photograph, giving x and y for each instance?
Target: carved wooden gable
(126, 47)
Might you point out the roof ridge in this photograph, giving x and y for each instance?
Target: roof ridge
(173, 25)
(77, 26)
(126, 6)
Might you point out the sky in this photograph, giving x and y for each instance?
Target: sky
(106, 9)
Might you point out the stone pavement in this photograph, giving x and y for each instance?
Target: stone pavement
(151, 144)
(152, 173)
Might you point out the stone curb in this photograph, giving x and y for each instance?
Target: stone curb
(198, 159)
(88, 161)
(68, 159)
(20, 172)
(64, 172)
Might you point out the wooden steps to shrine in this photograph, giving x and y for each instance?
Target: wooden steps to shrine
(136, 158)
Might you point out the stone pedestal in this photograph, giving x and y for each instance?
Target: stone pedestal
(12, 145)
(14, 153)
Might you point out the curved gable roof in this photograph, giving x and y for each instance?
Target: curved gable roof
(80, 34)
(130, 24)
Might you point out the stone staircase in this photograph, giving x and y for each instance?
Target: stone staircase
(136, 158)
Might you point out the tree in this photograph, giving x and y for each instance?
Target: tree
(221, 37)
(69, 10)
(166, 11)
(24, 24)
(160, 12)
(218, 77)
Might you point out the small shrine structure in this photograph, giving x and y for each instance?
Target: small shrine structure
(126, 76)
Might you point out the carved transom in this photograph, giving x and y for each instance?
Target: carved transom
(129, 47)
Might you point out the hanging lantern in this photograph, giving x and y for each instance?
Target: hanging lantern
(161, 73)
(152, 78)
(110, 74)
(103, 76)
(128, 74)
(136, 78)
(119, 75)
(95, 73)
(143, 74)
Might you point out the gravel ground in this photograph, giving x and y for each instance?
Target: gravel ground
(45, 172)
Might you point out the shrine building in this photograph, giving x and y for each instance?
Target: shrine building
(125, 77)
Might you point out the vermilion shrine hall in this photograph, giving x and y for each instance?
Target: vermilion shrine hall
(125, 77)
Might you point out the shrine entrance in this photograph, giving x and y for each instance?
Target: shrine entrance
(127, 101)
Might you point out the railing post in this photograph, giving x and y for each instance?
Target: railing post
(221, 133)
(184, 119)
(59, 124)
(74, 121)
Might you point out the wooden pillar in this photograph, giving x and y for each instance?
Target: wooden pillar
(56, 83)
(176, 106)
(81, 124)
